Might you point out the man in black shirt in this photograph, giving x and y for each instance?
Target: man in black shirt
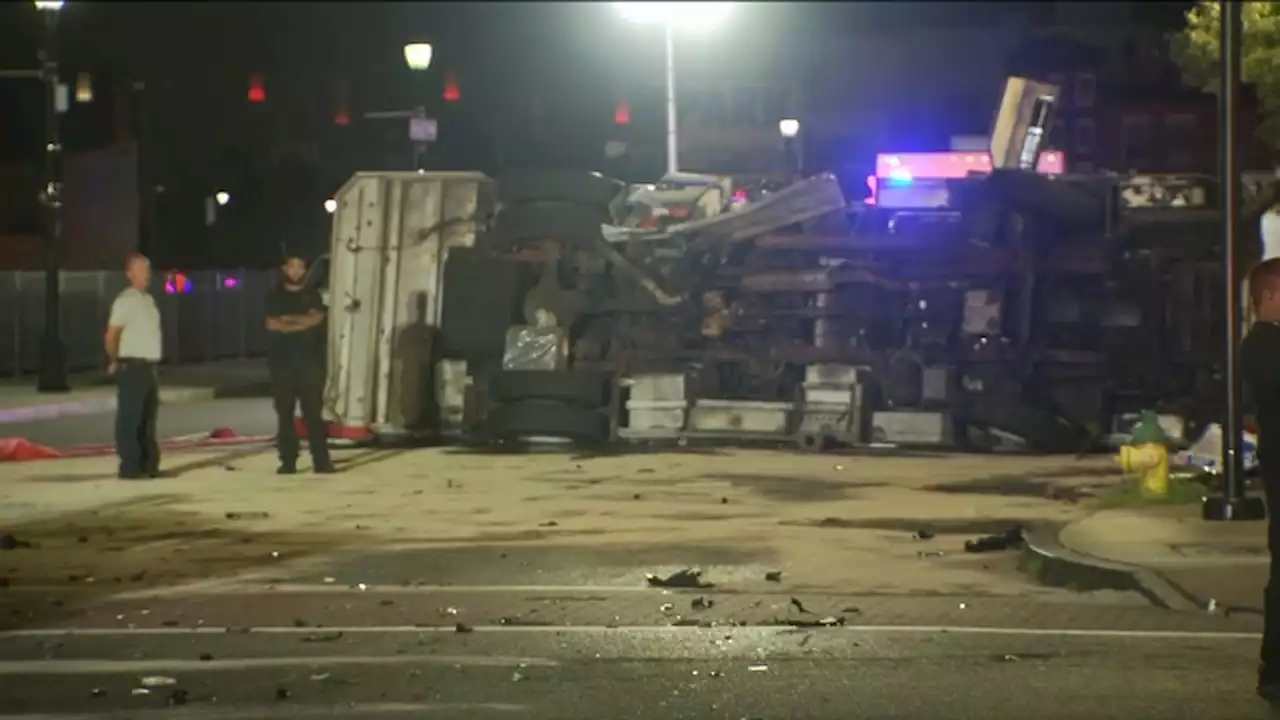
(295, 319)
(1260, 370)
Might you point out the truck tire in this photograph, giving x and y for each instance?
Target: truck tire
(581, 188)
(570, 222)
(581, 389)
(551, 419)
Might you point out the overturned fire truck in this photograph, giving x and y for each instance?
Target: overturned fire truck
(1009, 304)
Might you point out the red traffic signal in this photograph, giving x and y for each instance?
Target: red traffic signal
(257, 91)
(622, 115)
(451, 91)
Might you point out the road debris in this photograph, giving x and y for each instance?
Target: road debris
(98, 692)
(666, 608)
(448, 611)
(702, 603)
(1007, 540)
(323, 637)
(206, 657)
(462, 628)
(549, 523)
(687, 578)
(11, 542)
(799, 606)
(155, 681)
(926, 554)
(179, 696)
(923, 534)
(758, 668)
(139, 691)
(282, 693)
(773, 576)
(1212, 606)
(517, 676)
(247, 515)
(320, 676)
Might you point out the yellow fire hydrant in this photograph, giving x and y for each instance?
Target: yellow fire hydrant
(1147, 455)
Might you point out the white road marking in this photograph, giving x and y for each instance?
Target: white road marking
(283, 711)
(171, 665)
(258, 585)
(648, 629)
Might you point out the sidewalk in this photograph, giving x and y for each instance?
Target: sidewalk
(1222, 562)
(20, 402)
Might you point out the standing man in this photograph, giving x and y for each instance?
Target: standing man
(1260, 370)
(133, 345)
(295, 319)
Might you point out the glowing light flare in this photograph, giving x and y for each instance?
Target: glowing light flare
(954, 165)
(451, 91)
(872, 188)
(788, 127)
(331, 206)
(418, 56)
(177, 283)
(677, 16)
(230, 283)
(622, 115)
(257, 90)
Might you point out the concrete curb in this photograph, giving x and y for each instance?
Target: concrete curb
(1051, 563)
(105, 401)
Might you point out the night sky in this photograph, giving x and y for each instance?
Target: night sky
(556, 68)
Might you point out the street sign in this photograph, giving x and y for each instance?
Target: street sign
(423, 130)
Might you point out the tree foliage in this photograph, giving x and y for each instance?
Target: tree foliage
(1198, 54)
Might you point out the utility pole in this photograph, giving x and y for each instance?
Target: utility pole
(53, 361)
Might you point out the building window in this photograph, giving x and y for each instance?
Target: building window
(1137, 141)
(1085, 137)
(1058, 135)
(1086, 90)
(1180, 140)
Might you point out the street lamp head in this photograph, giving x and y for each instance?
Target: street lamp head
(331, 206)
(49, 5)
(676, 15)
(789, 127)
(222, 197)
(418, 56)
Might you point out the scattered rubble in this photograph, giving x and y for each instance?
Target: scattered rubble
(799, 606)
(773, 576)
(1008, 540)
(923, 534)
(702, 603)
(687, 578)
(248, 515)
(10, 542)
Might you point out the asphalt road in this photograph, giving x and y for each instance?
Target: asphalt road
(246, 416)
(598, 673)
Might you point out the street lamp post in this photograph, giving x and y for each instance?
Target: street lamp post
(672, 16)
(53, 363)
(1232, 504)
(418, 56)
(789, 129)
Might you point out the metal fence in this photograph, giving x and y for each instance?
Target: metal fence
(211, 316)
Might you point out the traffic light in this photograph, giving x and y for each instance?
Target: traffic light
(257, 90)
(341, 117)
(451, 91)
(622, 115)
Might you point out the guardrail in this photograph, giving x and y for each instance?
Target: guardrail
(207, 315)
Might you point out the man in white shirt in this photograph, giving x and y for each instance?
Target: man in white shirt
(133, 346)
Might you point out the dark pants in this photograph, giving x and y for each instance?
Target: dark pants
(137, 402)
(302, 386)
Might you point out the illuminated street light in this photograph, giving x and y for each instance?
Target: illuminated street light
(789, 127)
(222, 197)
(49, 5)
(418, 56)
(331, 206)
(674, 16)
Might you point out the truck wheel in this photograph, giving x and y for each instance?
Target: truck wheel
(575, 388)
(552, 419)
(581, 188)
(541, 220)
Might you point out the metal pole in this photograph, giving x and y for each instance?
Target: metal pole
(673, 163)
(53, 368)
(1232, 505)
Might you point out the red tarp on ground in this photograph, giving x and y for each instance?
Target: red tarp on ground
(14, 449)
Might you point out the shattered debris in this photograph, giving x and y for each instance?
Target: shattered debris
(687, 578)
(98, 692)
(248, 515)
(666, 608)
(462, 628)
(758, 668)
(11, 542)
(282, 693)
(323, 637)
(773, 576)
(179, 696)
(1007, 540)
(923, 534)
(799, 606)
(702, 603)
(925, 554)
(549, 523)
